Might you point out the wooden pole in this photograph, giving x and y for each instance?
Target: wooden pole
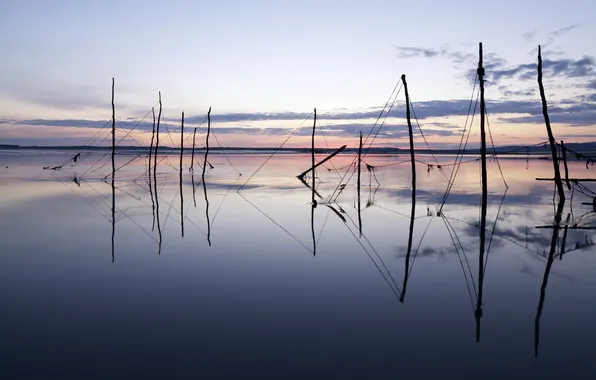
(336, 152)
(313, 200)
(155, 176)
(413, 212)
(564, 153)
(411, 135)
(113, 170)
(207, 143)
(358, 184)
(157, 139)
(192, 154)
(149, 171)
(313, 154)
(181, 188)
(152, 139)
(551, 138)
(478, 312)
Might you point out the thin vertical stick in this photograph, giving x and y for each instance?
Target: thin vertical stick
(313, 200)
(157, 139)
(413, 212)
(358, 184)
(478, 312)
(313, 155)
(192, 154)
(411, 135)
(564, 153)
(113, 170)
(207, 143)
(181, 188)
(149, 171)
(551, 138)
(152, 139)
(155, 176)
(113, 132)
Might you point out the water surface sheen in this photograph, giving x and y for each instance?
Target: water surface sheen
(252, 283)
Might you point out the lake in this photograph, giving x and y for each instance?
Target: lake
(239, 276)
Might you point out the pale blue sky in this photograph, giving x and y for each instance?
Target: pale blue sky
(274, 56)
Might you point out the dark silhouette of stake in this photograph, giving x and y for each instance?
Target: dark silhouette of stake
(207, 144)
(181, 188)
(564, 153)
(152, 140)
(551, 139)
(411, 135)
(313, 200)
(413, 212)
(358, 184)
(157, 139)
(155, 176)
(113, 170)
(149, 172)
(192, 154)
(478, 312)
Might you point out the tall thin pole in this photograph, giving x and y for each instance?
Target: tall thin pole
(155, 176)
(413, 212)
(157, 139)
(181, 188)
(551, 139)
(113, 170)
(313, 200)
(358, 184)
(152, 139)
(313, 154)
(411, 135)
(478, 312)
(113, 129)
(192, 154)
(207, 142)
(149, 171)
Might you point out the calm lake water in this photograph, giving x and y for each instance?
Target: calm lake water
(221, 283)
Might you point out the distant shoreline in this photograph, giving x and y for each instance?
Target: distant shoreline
(585, 148)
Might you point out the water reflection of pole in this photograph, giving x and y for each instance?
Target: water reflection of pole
(113, 170)
(413, 212)
(358, 184)
(478, 312)
(313, 204)
(203, 177)
(181, 189)
(155, 175)
(549, 263)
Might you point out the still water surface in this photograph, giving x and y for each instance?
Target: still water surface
(228, 284)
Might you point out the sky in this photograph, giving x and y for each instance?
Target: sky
(263, 66)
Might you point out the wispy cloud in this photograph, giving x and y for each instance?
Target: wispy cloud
(560, 32)
(529, 36)
(455, 56)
